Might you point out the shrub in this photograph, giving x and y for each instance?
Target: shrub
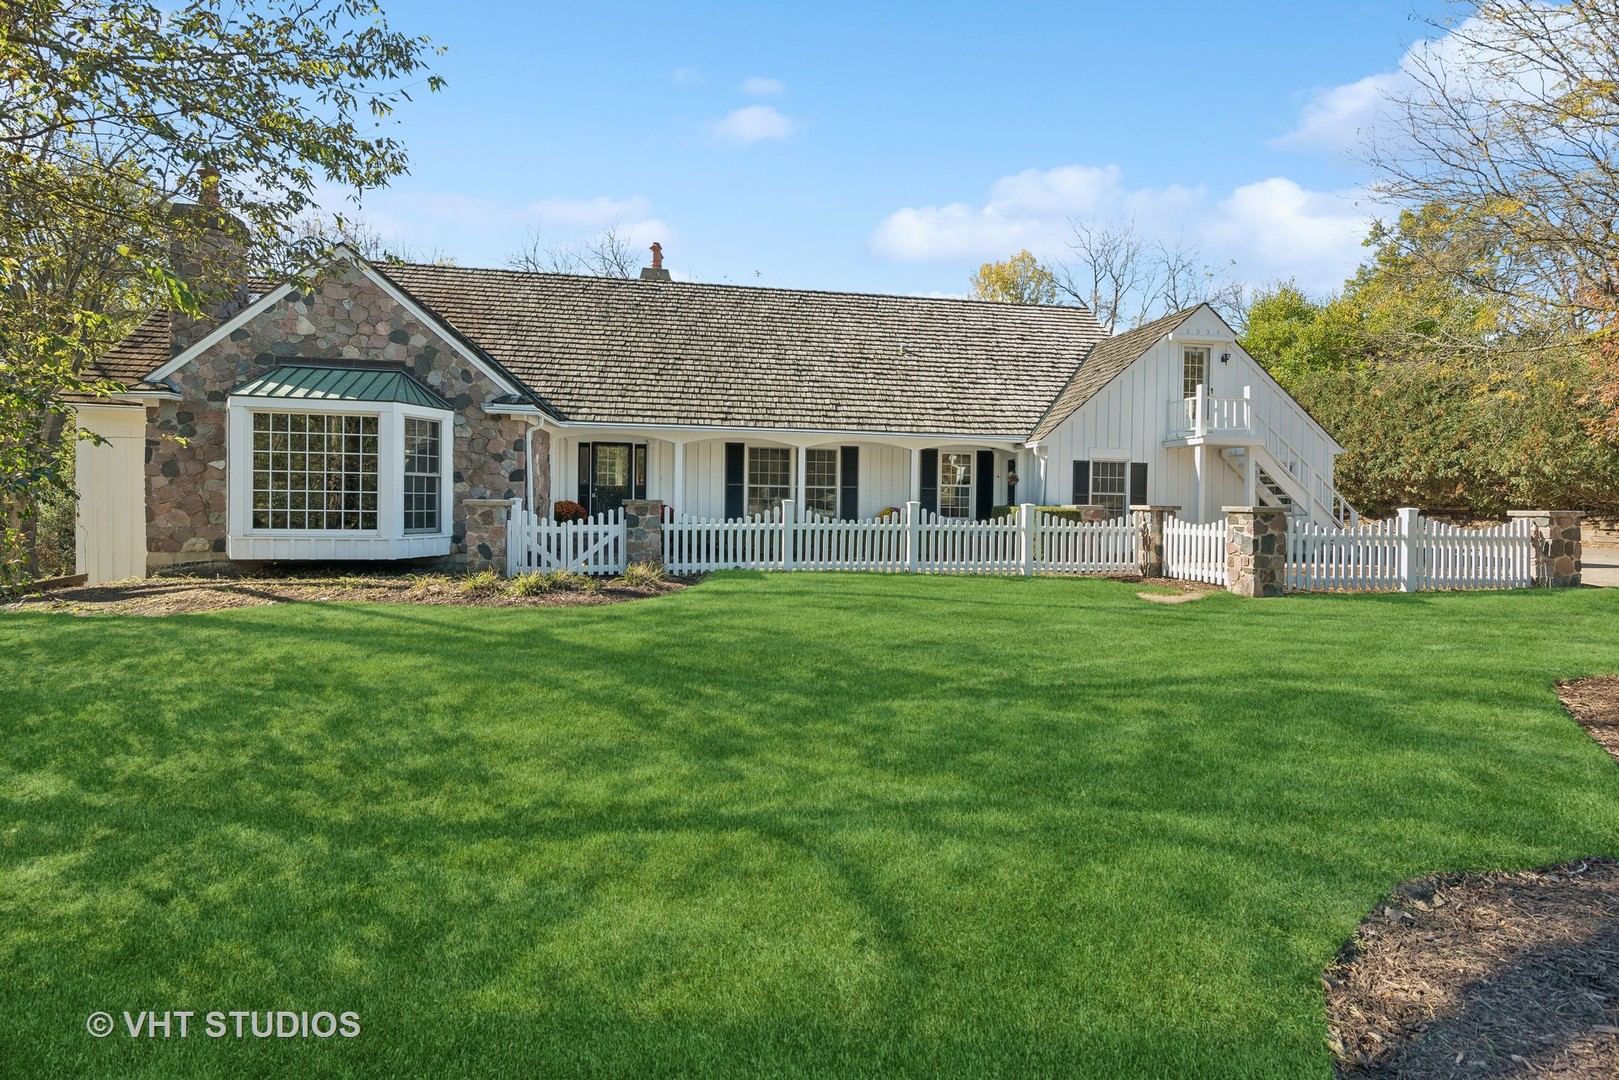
(483, 583)
(530, 584)
(643, 573)
(568, 510)
(538, 584)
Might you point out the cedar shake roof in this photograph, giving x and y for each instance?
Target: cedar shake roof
(1110, 357)
(607, 350)
(610, 350)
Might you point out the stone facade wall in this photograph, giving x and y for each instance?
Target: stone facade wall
(345, 317)
(1150, 551)
(488, 524)
(1256, 550)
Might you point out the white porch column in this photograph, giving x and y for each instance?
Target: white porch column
(1249, 474)
(916, 475)
(678, 488)
(1200, 464)
(799, 473)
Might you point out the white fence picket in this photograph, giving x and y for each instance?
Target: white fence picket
(1408, 553)
(1195, 552)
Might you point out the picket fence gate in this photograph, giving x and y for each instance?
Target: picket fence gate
(1194, 552)
(1407, 553)
(593, 545)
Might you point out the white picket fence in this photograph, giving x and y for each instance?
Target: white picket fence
(594, 545)
(1194, 552)
(913, 541)
(1407, 553)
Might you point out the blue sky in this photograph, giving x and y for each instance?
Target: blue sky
(871, 147)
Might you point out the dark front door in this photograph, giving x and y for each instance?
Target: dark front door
(611, 476)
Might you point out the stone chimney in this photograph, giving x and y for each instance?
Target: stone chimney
(208, 251)
(655, 272)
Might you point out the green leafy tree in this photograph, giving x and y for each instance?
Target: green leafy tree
(115, 111)
(1022, 279)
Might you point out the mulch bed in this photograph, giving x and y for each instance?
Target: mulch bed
(172, 596)
(1489, 975)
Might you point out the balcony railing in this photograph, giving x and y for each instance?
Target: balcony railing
(1203, 415)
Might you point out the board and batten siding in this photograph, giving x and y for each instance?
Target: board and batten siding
(1128, 418)
(110, 535)
(885, 470)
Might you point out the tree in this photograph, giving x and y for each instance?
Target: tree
(1126, 279)
(114, 112)
(607, 254)
(1513, 120)
(1021, 279)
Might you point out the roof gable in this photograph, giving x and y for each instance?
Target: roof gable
(1105, 362)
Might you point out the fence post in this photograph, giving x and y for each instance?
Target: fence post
(1026, 537)
(1255, 550)
(788, 512)
(643, 531)
(1150, 548)
(1557, 556)
(913, 535)
(1410, 562)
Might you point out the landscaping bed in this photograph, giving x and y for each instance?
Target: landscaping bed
(1485, 975)
(178, 595)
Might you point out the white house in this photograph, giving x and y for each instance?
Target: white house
(353, 420)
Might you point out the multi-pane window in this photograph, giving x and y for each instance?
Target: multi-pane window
(423, 475)
(1110, 486)
(1194, 369)
(956, 485)
(315, 471)
(821, 482)
(770, 478)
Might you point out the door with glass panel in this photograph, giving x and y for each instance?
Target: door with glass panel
(611, 476)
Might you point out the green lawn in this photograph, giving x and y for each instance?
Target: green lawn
(775, 825)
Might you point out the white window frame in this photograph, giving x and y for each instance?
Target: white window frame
(1123, 493)
(836, 487)
(1189, 390)
(389, 539)
(748, 485)
(968, 484)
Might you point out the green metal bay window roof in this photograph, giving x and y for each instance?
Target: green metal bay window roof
(294, 383)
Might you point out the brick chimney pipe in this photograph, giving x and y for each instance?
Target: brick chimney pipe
(657, 256)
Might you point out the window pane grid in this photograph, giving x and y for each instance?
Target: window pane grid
(1194, 370)
(314, 471)
(422, 475)
(1109, 485)
(821, 482)
(956, 485)
(770, 478)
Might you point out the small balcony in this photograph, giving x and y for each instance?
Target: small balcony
(1204, 418)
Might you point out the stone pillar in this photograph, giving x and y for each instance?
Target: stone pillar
(643, 531)
(487, 524)
(1089, 511)
(1557, 554)
(1150, 551)
(1255, 550)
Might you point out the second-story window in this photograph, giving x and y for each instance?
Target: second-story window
(1194, 369)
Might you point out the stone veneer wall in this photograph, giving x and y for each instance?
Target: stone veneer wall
(345, 318)
(1256, 550)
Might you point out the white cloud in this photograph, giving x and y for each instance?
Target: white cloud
(751, 124)
(1344, 116)
(759, 86)
(1272, 228)
(584, 213)
(687, 76)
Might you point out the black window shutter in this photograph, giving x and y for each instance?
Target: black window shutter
(930, 481)
(736, 480)
(1138, 483)
(984, 482)
(638, 483)
(849, 483)
(584, 476)
(1082, 482)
